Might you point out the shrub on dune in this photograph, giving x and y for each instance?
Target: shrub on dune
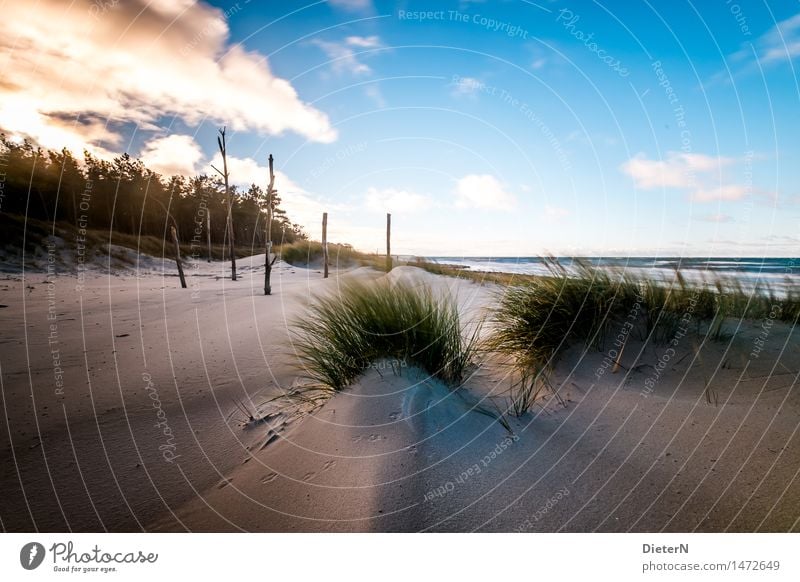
(536, 320)
(343, 333)
(306, 252)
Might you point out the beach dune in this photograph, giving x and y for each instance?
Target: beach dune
(396, 451)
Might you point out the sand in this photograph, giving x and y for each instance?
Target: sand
(145, 433)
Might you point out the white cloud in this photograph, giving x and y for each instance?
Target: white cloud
(301, 206)
(717, 217)
(343, 55)
(700, 175)
(782, 42)
(721, 192)
(374, 92)
(704, 163)
(136, 62)
(483, 191)
(242, 172)
(363, 41)
(467, 86)
(648, 174)
(172, 155)
(779, 44)
(352, 5)
(678, 170)
(396, 201)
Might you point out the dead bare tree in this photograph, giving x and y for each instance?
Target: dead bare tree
(178, 255)
(208, 232)
(268, 244)
(223, 150)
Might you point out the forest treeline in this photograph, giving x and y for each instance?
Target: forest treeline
(126, 196)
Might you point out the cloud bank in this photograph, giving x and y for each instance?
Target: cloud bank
(702, 176)
(483, 191)
(73, 75)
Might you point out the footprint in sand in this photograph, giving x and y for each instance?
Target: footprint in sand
(356, 439)
(328, 465)
(224, 483)
(394, 416)
(373, 438)
(309, 476)
(270, 440)
(269, 478)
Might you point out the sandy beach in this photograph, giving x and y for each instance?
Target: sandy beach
(122, 397)
(370, 267)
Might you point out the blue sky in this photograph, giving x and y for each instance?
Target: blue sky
(486, 128)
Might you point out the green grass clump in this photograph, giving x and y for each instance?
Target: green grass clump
(307, 252)
(344, 333)
(461, 272)
(790, 306)
(535, 320)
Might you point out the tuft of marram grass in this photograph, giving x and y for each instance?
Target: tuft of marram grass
(343, 333)
(534, 321)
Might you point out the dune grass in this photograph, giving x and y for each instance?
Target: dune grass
(308, 252)
(344, 333)
(535, 321)
(461, 272)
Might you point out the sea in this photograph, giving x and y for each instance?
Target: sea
(765, 274)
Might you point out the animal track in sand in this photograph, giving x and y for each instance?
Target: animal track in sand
(269, 478)
(224, 483)
(309, 476)
(328, 465)
(373, 438)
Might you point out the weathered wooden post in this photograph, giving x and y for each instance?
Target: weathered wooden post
(388, 242)
(324, 245)
(208, 232)
(268, 243)
(178, 255)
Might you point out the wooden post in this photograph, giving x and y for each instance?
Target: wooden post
(268, 243)
(324, 245)
(178, 256)
(223, 150)
(208, 232)
(388, 242)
